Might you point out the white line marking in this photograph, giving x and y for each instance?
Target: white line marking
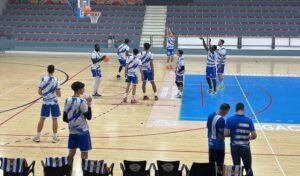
(16, 87)
(277, 161)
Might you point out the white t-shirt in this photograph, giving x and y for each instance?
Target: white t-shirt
(133, 63)
(49, 86)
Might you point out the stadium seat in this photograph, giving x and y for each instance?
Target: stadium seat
(16, 167)
(168, 168)
(96, 168)
(135, 168)
(205, 169)
(59, 166)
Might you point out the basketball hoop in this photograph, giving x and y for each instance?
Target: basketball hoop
(94, 16)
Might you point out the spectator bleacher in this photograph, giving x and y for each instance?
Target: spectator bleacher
(44, 25)
(280, 18)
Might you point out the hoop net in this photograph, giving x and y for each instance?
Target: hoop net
(94, 16)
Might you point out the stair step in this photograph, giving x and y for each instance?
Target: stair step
(153, 30)
(154, 20)
(153, 33)
(154, 26)
(150, 26)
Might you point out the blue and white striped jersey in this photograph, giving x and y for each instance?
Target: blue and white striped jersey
(180, 63)
(122, 50)
(222, 53)
(146, 57)
(215, 128)
(56, 161)
(75, 107)
(211, 59)
(49, 86)
(133, 63)
(170, 42)
(96, 56)
(240, 128)
(94, 166)
(9, 165)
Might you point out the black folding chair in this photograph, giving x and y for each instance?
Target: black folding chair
(96, 168)
(203, 169)
(135, 168)
(16, 167)
(168, 168)
(57, 166)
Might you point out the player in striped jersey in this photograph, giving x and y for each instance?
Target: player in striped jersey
(180, 69)
(148, 70)
(211, 66)
(170, 47)
(241, 130)
(123, 53)
(221, 63)
(76, 113)
(96, 69)
(215, 134)
(133, 63)
(49, 89)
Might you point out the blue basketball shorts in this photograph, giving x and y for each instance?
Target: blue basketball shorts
(221, 69)
(96, 73)
(179, 78)
(211, 72)
(148, 75)
(132, 79)
(53, 109)
(170, 52)
(122, 61)
(81, 141)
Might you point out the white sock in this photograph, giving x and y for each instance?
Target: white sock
(145, 94)
(222, 83)
(155, 93)
(38, 134)
(126, 95)
(96, 84)
(132, 97)
(55, 135)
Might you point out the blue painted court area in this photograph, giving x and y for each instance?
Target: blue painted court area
(273, 99)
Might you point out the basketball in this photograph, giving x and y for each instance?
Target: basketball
(106, 59)
(87, 10)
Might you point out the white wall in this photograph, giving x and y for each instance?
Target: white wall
(255, 43)
(2, 5)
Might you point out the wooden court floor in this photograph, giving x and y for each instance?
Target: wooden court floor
(120, 131)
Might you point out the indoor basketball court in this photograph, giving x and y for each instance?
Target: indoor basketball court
(135, 132)
(262, 72)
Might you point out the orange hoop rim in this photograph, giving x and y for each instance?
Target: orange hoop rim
(92, 13)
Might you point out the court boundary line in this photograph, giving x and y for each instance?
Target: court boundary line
(159, 55)
(140, 149)
(265, 136)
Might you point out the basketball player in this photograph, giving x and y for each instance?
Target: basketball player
(221, 63)
(211, 66)
(215, 134)
(123, 53)
(170, 47)
(49, 89)
(76, 113)
(96, 69)
(148, 70)
(133, 63)
(241, 130)
(180, 69)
